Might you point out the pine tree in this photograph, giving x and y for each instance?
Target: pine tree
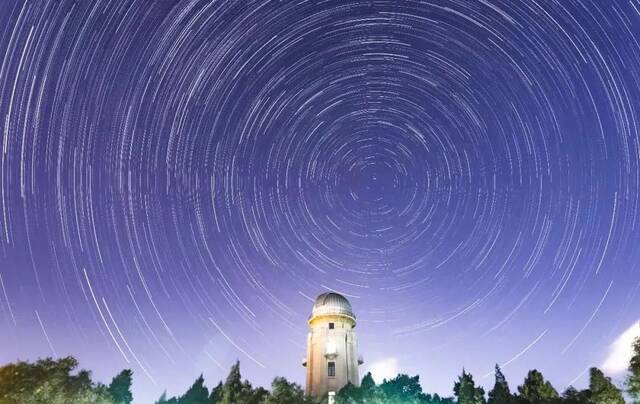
(197, 393)
(573, 396)
(368, 392)
(50, 381)
(216, 394)
(500, 393)
(162, 399)
(232, 388)
(285, 392)
(249, 395)
(536, 390)
(367, 382)
(403, 389)
(258, 396)
(633, 381)
(602, 390)
(436, 399)
(120, 387)
(466, 391)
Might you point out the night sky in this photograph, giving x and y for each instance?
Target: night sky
(179, 181)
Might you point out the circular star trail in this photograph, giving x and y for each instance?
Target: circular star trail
(179, 180)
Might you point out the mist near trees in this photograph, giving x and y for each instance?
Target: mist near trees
(49, 381)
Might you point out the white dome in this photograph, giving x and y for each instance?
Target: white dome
(331, 303)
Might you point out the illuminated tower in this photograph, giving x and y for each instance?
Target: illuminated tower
(332, 359)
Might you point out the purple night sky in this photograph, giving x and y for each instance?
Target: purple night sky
(178, 181)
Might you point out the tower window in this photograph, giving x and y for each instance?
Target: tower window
(331, 326)
(331, 369)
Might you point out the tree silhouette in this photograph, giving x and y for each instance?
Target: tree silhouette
(500, 393)
(602, 390)
(369, 392)
(285, 392)
(163, 399)
(573, 396)
(367, 382)
(232, 388)
(466, 391)
(197, 393)
(50, 381)
(249, 395)
(535, 390)
(403, 388)
(633, 381)
(120, 387)
(216, 394)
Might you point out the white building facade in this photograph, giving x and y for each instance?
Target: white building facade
(332, 359)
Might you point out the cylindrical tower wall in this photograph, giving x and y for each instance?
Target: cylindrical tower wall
(332, 359)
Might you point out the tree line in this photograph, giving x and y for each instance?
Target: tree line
(49, 381)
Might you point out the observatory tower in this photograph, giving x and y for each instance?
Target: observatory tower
(332, 359)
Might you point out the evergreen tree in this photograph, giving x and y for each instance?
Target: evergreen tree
(236, 391)
(250, 396)
(602, 390)
(232, 388)
(403, 389)
(216, 394)
(573, 396)
(285, 392)
(50, 381)
(197, 393)
(367, 382)
(349, 394)
(633, 381)
(258, 396)
(163, 399)
(536, 390)
(120, 387)
(466, 391)
(436, 399)
(500, 393)
(369, 392)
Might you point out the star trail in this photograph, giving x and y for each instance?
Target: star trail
(179, 180)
